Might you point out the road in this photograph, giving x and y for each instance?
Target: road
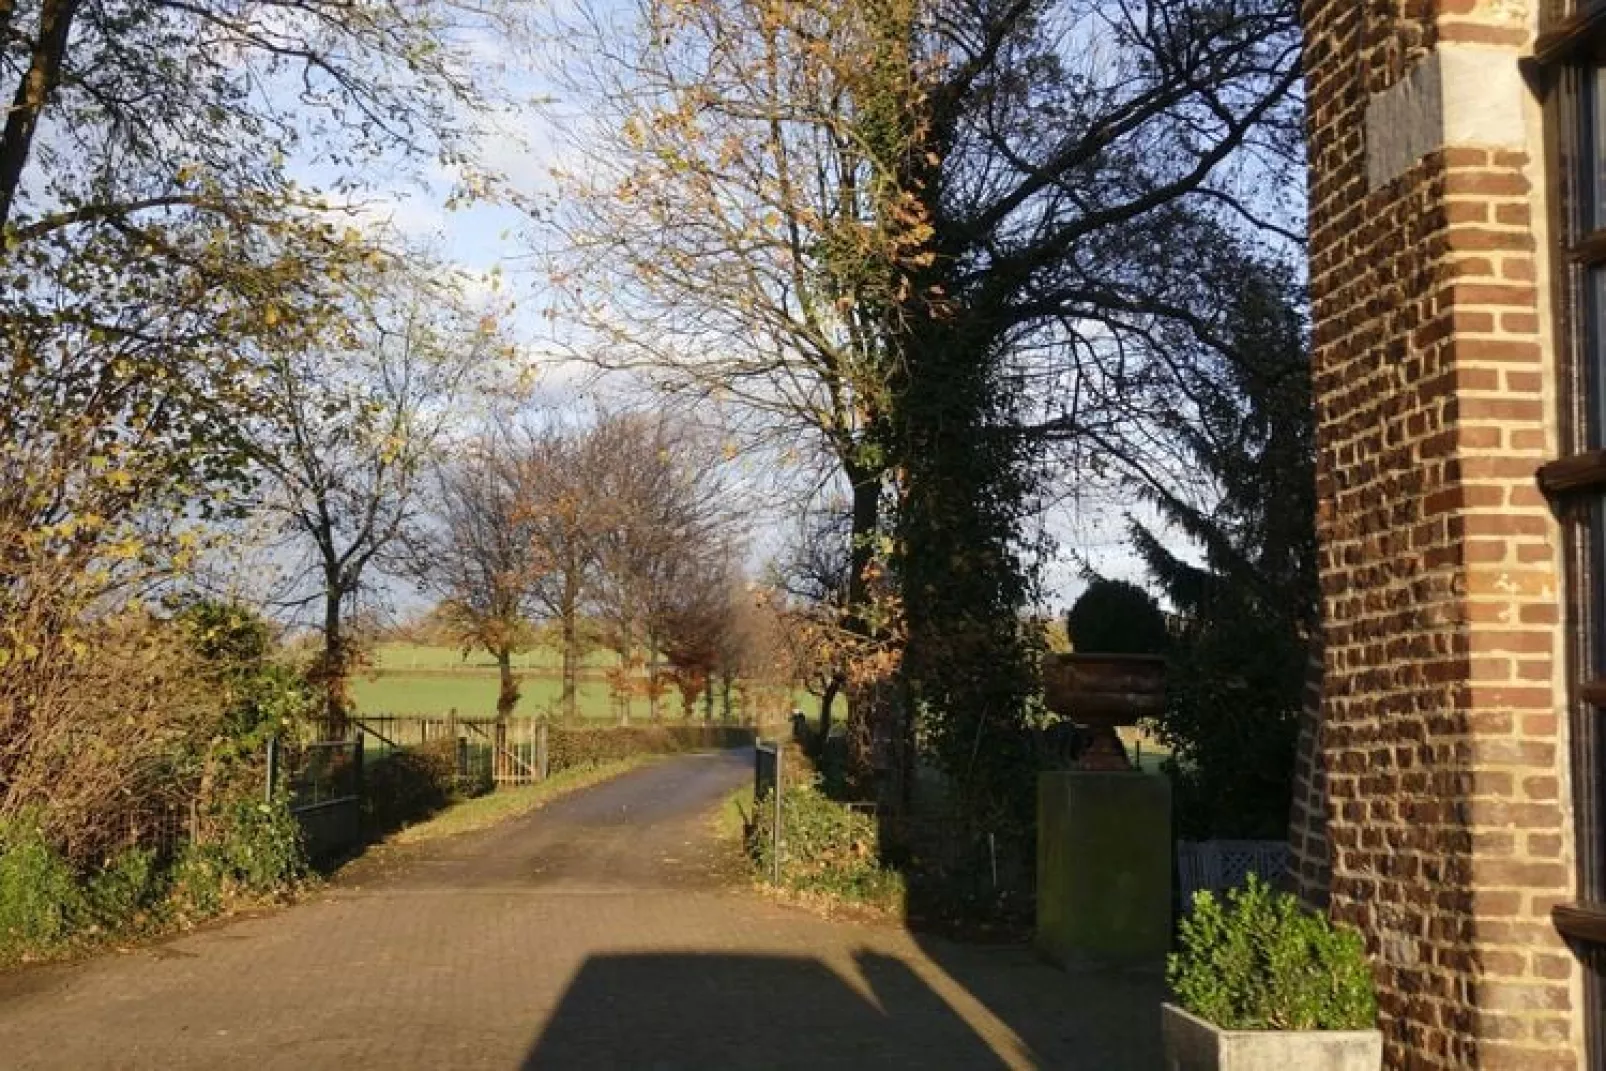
(607, 930)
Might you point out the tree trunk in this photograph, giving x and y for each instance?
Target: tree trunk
(507, 696)
(624, 686)
(827, 698)
(571, 655)
(38, 83)
(725, 680)
(861, 714)
(654, 714)
(708, 698)
(333, 671)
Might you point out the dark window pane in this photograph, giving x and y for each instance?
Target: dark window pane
(1591, 158)
(1592, 318)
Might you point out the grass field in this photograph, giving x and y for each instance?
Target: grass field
(411, 656)
(471, 695)
(414, 679)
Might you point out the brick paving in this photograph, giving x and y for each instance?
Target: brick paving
(603, 931)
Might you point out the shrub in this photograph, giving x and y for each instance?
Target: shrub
(253, 848)
(1114, 617)
(827, 847)
(127, 887)
(1261, 962)
(40, 901)
(409, 784)
(568, 748)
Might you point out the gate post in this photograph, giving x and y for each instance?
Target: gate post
(273, 767)
(777, 841)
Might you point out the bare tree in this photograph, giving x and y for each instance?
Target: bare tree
(475, 555)
(668, 506)
(348, 435)
(811, 579)
(722, 241)
(559, 509)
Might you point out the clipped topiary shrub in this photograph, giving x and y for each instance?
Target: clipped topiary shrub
(1259, 961)
(1114, 617)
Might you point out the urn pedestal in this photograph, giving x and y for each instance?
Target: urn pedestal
(1104, 851)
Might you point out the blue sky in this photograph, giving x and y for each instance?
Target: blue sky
(522, 141)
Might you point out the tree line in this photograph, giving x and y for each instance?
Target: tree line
(623, 531)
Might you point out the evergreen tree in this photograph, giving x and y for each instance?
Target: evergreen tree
(1250, 610)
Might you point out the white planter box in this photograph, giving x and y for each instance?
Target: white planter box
(1191, 1044)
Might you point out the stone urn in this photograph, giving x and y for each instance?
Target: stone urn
(1102, 692)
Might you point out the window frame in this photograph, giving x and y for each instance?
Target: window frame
(1568, 70)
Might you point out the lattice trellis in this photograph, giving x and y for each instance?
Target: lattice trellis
(1219, 865)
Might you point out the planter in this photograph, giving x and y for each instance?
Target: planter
(1191, 1044)
(1102, 692)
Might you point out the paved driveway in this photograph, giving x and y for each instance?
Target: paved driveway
(604, 931)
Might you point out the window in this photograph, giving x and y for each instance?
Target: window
(1569, 70)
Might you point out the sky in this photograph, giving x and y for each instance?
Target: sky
(495, 244)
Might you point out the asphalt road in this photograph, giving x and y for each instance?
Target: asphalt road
(609, 930)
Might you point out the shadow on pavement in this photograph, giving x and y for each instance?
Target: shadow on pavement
(721, 1011)
(1090, 1014)
(693, 1010)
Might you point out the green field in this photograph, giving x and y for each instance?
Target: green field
(413, 679)
(405, 656)
(472, 695)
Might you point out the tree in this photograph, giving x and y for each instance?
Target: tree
(347, 435)
(558, 507)
(813, 579)
(1250, 611)
(940, 235)
(668, 511)
(701, 629)
(722, 241)
(476, 555)
(1030, 168)
(154, 251)
(119, 86)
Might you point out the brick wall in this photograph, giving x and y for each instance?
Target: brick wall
(1443, 752)
(1311, 869)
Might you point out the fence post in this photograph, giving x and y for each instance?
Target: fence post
(356, 777)
(776, 854)
(541, 751)
(273, 767)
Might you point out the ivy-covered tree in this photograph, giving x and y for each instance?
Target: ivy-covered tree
(1249, 610)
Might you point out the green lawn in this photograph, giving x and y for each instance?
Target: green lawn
(404, 656)
(415, 679)
(473, 695)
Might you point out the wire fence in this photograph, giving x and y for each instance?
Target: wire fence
(163, 831)
(490, 752)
